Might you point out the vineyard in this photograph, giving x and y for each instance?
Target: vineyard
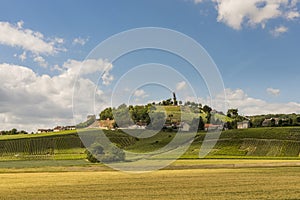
(257, 148)
(60, 146)
(38, 148)
(254, 142)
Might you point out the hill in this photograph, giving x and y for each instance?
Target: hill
(278, 142)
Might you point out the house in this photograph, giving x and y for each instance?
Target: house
(44, 130)
(106, 124)
(268, 122)
(208, 127)
(244, 124)
(63, 128)
(57, 129)
(136, 126)
(184, 127)
(70, 128)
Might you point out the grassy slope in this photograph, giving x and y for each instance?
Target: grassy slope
(249, 143)
(255, 143)
(264, 183)
(51, 134)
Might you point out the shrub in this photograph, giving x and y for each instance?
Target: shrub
(97, 153)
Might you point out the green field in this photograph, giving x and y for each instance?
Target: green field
(249, 183)
(263, 143)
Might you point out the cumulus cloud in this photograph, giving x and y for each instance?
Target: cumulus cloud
(248, 105)
(23, 56)
(237, 13)
(41, 61)
(277, 31)
(272, 91)
(253, 106)
(140, 93)
(181, 85)
(30, 101)
(234, 12)
(292, 15)
(27, 39)
(90, 66)
(58, 40)
(80, 41)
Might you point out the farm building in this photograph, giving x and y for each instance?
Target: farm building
(244, 124)
(44, 130)
(213, 127)
(184, 127)
(268, 122)
(106, 124)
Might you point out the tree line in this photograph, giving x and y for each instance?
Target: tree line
(13, 131)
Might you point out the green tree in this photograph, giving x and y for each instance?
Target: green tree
(233, 112)
(158, 120)
(207, 109)
(272, 122)
(106, 114)
(97, 153)
(14, 131)
(122, 116)
(197, 124)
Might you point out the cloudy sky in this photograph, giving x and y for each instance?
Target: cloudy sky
(255, 45)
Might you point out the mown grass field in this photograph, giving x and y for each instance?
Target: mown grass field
(250, 183)
(258, 163)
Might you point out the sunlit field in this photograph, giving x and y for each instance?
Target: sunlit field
(250, 183)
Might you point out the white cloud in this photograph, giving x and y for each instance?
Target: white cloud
(107, 78)
(181, 85)
(58, 40)
(80, 41)
(30, 101)
(27, 39)
(253, 106)
(140, 93)
(20, 24)
(23, 56)
(292, 15)
(236, 13)
(91, 66)
(277, 31)
(248, 105)
(41, 61)
(272, 91)
(198, 1)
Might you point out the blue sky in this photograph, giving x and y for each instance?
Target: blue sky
(254, 45)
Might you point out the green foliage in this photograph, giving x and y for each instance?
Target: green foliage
(140, 113)
(197, 124)
(122, 116)
(157, 120)
(106, 114)
(97, 153)
(207, 109)
(284, 120)
(86, 123)
(233, 113)
(13, 132)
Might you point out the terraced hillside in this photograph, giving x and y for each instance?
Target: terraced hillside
(255, 142)
(63, 145)
(248, 143)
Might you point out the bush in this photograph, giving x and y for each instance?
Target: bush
(96, 153)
